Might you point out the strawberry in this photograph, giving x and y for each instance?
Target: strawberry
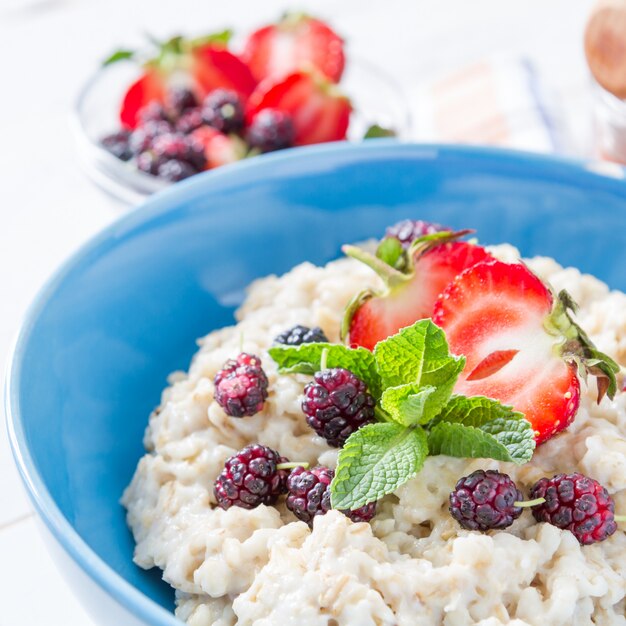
(149, 87)
(219, 149)
(430, 264)
(319, 111)
(297, 42)
(202, 65)
(215, 67)
(521, 344)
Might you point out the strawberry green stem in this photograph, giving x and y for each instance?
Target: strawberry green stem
(529, 503)
(283, 466)
(389, 275)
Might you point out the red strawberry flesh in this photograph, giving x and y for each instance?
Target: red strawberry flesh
(214, 67)
(384, 315)
(496, 311)
(149, 87)
(203, 69)
(296, 42)
(318, 110)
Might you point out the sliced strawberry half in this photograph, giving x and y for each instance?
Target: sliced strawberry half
(202, 64)
(149, 87)
(214, 67)
(410, 295)
(319, 111)
(297, 42)
(521, 344)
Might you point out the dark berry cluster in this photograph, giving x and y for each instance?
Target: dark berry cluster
(241, 386)
(485, 500)
(490, 500)
(407, 231)
(184, 136)
(159, 145)
(258, 475)
(250, 478)
(298, 335)
(271, 130)
(576, 503)
(336, 404)
(309, 495)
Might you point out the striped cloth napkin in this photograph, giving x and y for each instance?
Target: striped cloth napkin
(498, 102)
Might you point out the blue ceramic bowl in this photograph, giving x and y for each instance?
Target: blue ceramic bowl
(98, 343)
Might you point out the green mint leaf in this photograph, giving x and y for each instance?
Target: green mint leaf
(119, 55)
(375, 461)
(480, 427)
(375, 131)
(307, 357)
(418, 354)
(411, 404)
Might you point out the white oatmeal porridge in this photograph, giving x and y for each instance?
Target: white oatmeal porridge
(413, 564)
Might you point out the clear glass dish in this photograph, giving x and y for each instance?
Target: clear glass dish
(376, 97)
(610, 126)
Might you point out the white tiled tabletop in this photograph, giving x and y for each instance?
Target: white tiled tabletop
(48, 208)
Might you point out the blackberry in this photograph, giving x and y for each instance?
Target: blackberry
(177, 146)
(141, 138)
(223, 110)
(118, 144)
(485, 500)
(241, 386)
(251, 478)
(576, 503)
(153, 112)
(189, 121)
(301, 334)
(178, 100)
(149, 162)
(271, 130)
(336, 404)
(171, 146)
(407, 231)
(309, 495)
(140, 141)
(175, 170)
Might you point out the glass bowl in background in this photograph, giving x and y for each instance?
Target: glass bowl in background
(376, 98)
(609, 126)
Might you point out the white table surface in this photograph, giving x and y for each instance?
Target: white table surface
(48, 208)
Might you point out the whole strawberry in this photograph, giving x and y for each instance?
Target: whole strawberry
(250, 478)
(241, 386)
(576, 503)
(485, 500)
(336, 404)
(309, 495)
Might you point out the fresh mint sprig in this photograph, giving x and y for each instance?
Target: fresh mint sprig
(412, 375)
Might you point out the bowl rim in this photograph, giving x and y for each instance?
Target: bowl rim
(167, 202)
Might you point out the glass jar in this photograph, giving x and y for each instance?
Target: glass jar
(610, 126)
